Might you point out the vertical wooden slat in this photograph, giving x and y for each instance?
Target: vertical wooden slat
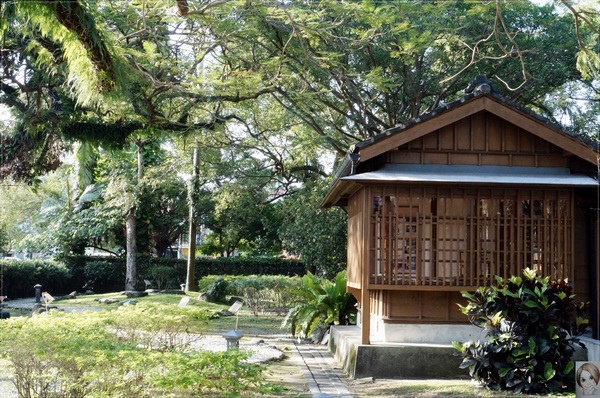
(570, 233)
(471, 258)
(394, 246)
(520, 237)
(419, 264)
(440, 243)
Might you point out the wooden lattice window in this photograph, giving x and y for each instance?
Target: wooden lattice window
(458, 237)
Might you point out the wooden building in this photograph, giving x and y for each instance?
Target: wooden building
(477, 188)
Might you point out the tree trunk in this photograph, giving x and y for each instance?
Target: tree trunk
(131, 227)
(131, 269)
(190, 279)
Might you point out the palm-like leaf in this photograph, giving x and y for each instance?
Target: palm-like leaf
(319, 302)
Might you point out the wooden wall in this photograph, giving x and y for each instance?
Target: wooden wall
(418, 306)
(481, 139)
(596, 273)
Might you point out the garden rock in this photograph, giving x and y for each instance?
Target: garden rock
(235, 299)
(129, 302)
(172, 291)
(226, 313)
(40, 309)
(134, 294)
(109, 301)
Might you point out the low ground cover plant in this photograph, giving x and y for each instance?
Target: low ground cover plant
(532, 324)
(133, 351)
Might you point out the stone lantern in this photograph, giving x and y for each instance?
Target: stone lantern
(233, 339)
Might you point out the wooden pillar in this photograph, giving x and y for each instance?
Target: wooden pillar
(365, 316)
(595, 258)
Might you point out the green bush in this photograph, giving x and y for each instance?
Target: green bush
(107, 274)
(531, 324)
(217, 292)
(104, 275)
(207, 281)
(135, 352)
(20, 277)
(163, 277)
(265, 292)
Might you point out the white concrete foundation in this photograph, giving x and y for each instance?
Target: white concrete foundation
(592, 349)
(412, 333)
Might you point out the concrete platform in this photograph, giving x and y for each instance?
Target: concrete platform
(393, 360)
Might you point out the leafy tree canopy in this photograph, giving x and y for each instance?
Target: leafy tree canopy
(267, 88)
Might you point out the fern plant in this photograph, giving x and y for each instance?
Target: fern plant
(320, 302)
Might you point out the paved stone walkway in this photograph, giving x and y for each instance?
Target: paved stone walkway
(324, 378)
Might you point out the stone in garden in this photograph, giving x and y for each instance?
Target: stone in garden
(172, 291)
(73, 294)
(134, 294)
(202, 296)
(257, 341)
(235, 299)
(183, 302)
(129, 302)
(108, 301)
(39, 309)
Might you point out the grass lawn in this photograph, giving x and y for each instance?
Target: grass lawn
(262, 325)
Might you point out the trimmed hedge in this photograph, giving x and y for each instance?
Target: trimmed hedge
(19, 277)
(107, 274)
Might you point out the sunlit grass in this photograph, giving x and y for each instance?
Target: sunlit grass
(245, 322)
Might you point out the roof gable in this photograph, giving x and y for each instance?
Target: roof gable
(479, 100)
(396, 137)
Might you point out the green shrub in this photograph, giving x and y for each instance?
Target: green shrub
(207, 281)
(20, 277)
(163, 277)
(320, 303)
(104, 275)
(134, 352)
(217, 292)
(107, 274)
(265, 292)
(531, 324)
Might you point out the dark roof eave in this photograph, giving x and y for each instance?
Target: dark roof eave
(346, 168)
